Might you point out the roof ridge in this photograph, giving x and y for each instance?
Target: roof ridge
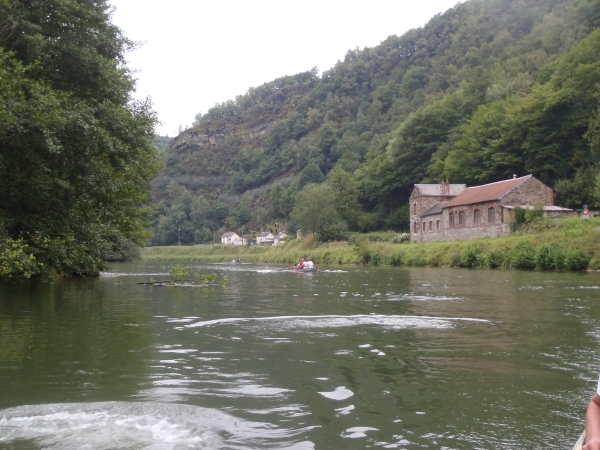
(501, 181)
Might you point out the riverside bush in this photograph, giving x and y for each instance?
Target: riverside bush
(523, 256)
(395, 259)
(544, 258)
(494, 259)
(577, 259)
(472, 256)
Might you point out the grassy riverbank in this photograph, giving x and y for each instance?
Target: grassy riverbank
(575, 245)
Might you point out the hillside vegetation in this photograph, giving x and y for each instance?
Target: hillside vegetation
(488, 89)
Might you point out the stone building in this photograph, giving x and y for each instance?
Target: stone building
(425, 196)
(482, 211)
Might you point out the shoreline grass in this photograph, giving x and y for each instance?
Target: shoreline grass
(542, 245)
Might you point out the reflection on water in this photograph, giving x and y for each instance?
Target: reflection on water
(390, 358)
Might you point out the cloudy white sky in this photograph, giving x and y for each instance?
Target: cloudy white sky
(196, 53)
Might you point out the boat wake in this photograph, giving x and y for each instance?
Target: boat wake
(144, 425)
(337, 321)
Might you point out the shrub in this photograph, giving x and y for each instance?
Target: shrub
(178, 274)
(396, 259)
(577, 259)
(472, 256)
(17, 261)
(375, 257)
(523, 256)
(404, 237)
(455, 260)
(544, 258)
(494, 259)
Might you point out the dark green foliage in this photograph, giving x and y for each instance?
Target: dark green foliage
(310, 174)
(577, 259)
(544, 258)
(523, 256)
(520, 215)
(472, 256)
(494, 259)
(76, 155)
(395, 259)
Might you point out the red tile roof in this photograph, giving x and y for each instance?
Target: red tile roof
(486, 193)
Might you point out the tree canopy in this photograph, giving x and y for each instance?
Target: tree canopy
(76, 152)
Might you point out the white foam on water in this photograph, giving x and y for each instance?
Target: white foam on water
(144, 425)
(343, 352)
(322, 379)
(340, 393)
(357, 432)
(345, 411)
(179, 350)
(420, 298)
(364, 346)
(338, 321)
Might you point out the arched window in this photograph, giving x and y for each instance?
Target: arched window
(477, 217)
(416, 227)
(423, 228)
(431, 225)
(451, 219)
(461, 218)
(491, 215)
(415, 208)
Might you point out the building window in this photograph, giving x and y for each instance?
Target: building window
(437, 223)
(415, 208)
(451, 219)
(477, 217)
(423, 226)
(416, 227)
(461, 218)
(491, 215)
(431, 225)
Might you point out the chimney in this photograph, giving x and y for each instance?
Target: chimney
(514, 176)
(446, 188)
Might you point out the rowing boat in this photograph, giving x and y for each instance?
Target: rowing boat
(580, 442)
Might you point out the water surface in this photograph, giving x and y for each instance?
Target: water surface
(359, 358)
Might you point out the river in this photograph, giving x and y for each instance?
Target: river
(353, 359)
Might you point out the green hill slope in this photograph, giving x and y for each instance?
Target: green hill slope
(484, 90)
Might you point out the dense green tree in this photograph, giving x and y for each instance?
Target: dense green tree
(315, 212)
(310, 174)
(76, 152)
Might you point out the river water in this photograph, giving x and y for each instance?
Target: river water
(353, 359)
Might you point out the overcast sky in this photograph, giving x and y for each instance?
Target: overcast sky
(198, 53)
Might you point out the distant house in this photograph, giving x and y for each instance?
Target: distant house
(240, 241)
(265, 238)
(280, 238)
(229, 237)
(480, 211)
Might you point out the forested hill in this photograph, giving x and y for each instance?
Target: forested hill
(487, 89)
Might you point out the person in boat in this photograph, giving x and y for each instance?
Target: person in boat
(592, 422)
(301, 264)
(309, 264)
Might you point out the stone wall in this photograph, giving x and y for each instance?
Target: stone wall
(467, 230)
(530, 192)
(423, 204)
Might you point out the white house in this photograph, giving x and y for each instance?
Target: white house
(280, 238)
(240, 241)
(265, 238)
(229, 237)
